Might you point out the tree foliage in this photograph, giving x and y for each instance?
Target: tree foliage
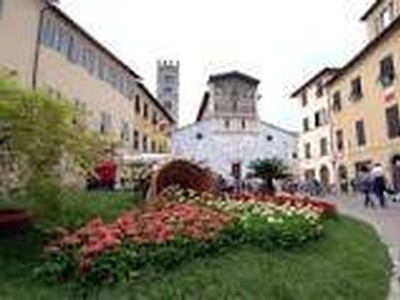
(267, 170)
(40, 138)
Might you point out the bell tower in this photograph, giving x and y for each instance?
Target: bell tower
(168, 86)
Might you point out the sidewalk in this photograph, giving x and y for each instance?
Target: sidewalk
(387, 224)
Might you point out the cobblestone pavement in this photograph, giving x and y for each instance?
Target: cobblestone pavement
(386, 222)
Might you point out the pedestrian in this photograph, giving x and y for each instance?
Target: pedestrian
(365, 182)
(379, 183)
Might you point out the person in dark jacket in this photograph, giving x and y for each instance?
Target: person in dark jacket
(379, 184)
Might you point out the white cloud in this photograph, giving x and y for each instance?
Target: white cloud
(280, 42)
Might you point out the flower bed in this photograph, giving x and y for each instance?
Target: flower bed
(182, 225)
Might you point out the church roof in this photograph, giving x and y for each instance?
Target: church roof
(203, 106)
(234, 74)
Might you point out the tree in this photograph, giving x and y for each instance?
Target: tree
(40, 136)
(267, 170)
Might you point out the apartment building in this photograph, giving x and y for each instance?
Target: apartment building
(46, 49)
(365, 98)
(314, 148)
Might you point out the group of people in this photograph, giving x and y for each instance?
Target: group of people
(372, 183)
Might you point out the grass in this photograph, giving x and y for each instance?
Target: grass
(348, 263)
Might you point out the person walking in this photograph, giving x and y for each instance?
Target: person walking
(379, 184)
(365, 186)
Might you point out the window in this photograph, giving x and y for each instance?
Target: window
(145, 110)
(47, 33)
(168, 105)
(227, 124)
(360, 133)
(199, 136)
(74, 50)
(393, 121)
(339, 140)
(304, 99)
(337, 102)
(323, 146)
(88, 60)
(306, 126)
(136, 140)
(319, 92)
(235, 106)
(125, 131)
(101, 69)
(137, 104)
(169, 79)
(144, 143)
(243, 124)
(385, 17)
(105, 122)
(356, 89)
(317, 119)
(307, 150)
(153, 146)
(167, 90)
(270, 138)
(387, 71)
(154, 118)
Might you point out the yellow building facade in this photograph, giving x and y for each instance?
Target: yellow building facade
(365, 99)
(45, 49)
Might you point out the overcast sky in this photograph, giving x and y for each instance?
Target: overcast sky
(280, 42)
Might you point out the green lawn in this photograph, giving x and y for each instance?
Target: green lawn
(77, 207)
(348, 263)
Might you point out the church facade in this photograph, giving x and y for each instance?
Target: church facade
(228, 133)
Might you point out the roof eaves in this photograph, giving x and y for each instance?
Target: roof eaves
(313, 79)
(203, 105)
(364, 51)
(90, 37)
(233, 74)
(370, 10)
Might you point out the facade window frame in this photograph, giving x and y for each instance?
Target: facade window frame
(387, 71)
(319, 90)
(393, 121)
(339, 137)
(304, 99)
(307, 151)
(337, 102)
(136, 140)
(323, 145)
(361, 137)
(306, 125)
(356, 89)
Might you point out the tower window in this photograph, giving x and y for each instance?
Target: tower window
(243, 124)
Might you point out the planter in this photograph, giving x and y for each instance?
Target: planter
(14, 218)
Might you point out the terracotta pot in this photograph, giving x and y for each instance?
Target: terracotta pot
(14, 218)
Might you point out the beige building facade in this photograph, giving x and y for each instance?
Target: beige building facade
(365, 99)
(45, 49)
